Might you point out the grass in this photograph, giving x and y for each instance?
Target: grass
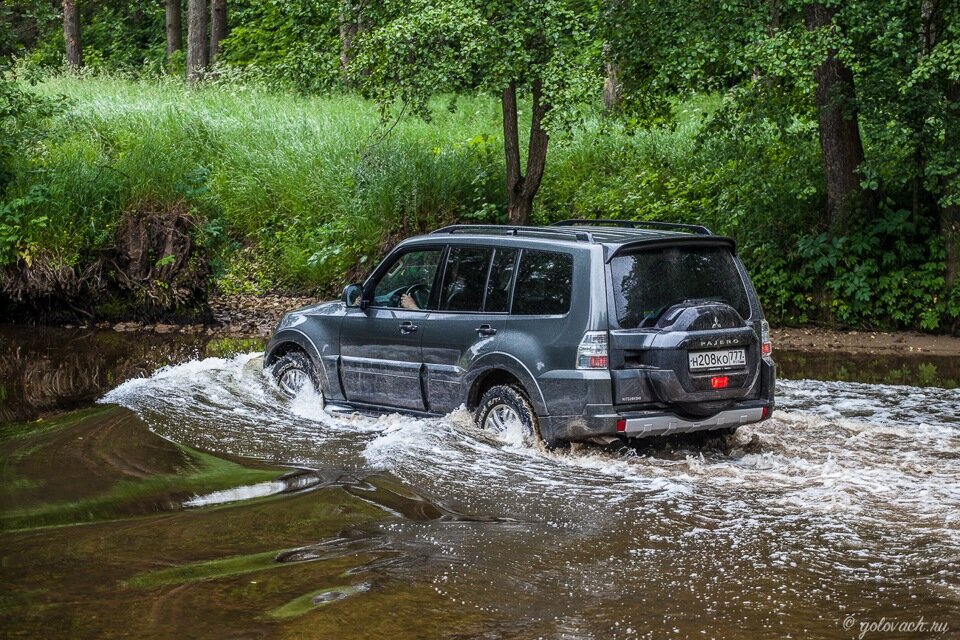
(312, 184)
(284, 173)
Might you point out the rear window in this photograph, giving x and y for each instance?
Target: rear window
(544, 283)
(647, 283)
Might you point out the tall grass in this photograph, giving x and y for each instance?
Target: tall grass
(313, 183)
(303, 192)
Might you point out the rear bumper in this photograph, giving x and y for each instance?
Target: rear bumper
(642, 423)
(604, 419)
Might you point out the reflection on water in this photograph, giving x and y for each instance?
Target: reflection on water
(920, 370)
(48, 369)
(846, 503)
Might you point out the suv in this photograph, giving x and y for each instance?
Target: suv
(584, 330)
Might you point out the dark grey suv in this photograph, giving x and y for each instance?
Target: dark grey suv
(583, 330)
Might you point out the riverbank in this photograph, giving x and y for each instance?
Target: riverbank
(250, 316)
(819, 340)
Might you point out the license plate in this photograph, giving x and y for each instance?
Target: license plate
(720, 359)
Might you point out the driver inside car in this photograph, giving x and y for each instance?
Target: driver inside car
(408, 282)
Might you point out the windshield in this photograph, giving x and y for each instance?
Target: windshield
(647, 283)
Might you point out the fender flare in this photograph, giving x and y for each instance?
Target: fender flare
(499, 360)
(305, 344)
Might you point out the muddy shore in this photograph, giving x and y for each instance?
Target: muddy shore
(256, 316)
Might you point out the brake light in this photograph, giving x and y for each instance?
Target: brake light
(766, 345)
(719, 382)
(621, 425)
(592, 352)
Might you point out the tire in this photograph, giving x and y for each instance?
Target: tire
(503, 403)
(292, 371)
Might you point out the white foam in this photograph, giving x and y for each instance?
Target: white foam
(845, 455)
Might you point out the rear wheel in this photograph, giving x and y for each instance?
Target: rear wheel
(505, 413)
(294, 372)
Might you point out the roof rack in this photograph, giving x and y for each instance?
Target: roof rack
(636, 224)
(582, 236)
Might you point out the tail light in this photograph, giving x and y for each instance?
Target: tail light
(766, 346)
(592, 352)
(720, 382)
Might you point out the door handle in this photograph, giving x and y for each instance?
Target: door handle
(486, 330)
(407, 327)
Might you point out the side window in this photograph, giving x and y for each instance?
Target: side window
(501, 275)
(544, 283)
(412, 275)
(464, 278)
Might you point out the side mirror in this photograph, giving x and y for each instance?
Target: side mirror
(353, 295)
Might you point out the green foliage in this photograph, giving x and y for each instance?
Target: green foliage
(307, 193)
(19, 226)
(286, 44)
(24, 118)
(309, 185)
(409, 51)
(889, 275)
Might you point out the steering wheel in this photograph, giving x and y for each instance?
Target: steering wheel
(415, 291)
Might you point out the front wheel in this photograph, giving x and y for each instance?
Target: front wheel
(506, 414)
(294, 372)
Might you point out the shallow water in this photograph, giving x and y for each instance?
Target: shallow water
(842, 510)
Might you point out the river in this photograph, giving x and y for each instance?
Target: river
(168, 490)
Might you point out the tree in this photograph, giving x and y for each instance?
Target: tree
(414, 49)
(351, 23)
(174, 27)
(71, 34)
(938, 69)
(839, 127)
(218, 26)
(196, 39)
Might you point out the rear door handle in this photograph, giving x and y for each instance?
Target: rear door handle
(407, 327)
(486, 330)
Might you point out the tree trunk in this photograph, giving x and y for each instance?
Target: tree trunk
(521, 189)
(196, 39)
(71, 34)
(350, 26)
(950, 214)
(839, 129)
(218, 27)
(174, 27)
(611, 86)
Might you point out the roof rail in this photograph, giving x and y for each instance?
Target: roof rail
(582, 236)
(636, 224)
